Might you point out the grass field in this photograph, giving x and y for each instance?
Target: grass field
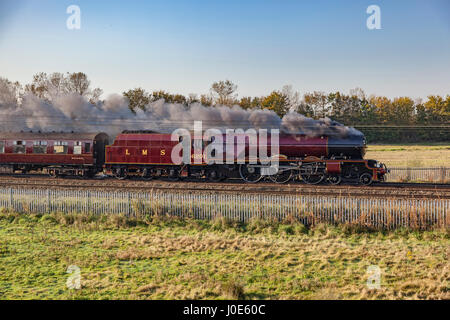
(162, 258)
(422, 155)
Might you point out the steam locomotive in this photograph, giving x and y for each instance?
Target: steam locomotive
(148, 155)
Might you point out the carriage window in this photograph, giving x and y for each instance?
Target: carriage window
(87, 147)
(2, 146)
(40, 147)
(77, 147)
(19, 147)
(60, 147)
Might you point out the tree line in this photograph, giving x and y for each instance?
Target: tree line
(355, 108)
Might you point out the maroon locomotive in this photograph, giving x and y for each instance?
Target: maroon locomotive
(149, 155)
(311, 159)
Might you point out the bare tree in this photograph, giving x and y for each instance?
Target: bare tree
(78, 82)
(47, 86)
(293, 97)
(10, 93)
(224, 92)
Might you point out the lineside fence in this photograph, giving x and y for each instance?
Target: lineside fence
(433, 175)
(371, 212)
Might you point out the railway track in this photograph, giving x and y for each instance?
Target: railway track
(385, 190)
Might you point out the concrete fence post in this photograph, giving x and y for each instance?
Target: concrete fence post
(11, 198)
(48, 201)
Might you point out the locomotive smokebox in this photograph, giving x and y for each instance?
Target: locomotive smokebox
(350, 147)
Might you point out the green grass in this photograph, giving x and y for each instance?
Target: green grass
(418, 155)
(167, 258)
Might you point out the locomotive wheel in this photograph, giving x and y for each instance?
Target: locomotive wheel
(250, 173)
(121, 173)
(312, 179)
(334, 179)
(146, 174)
(53, 173)
(282, 177)
(365, 179)
(214, 176)
(173, 175)
(90, 174)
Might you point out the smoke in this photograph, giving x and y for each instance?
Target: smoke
(296, 123)
(71, 112)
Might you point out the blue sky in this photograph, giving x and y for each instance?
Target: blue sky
(183, 46)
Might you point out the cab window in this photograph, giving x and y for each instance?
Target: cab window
(60, 147)
(87, 147)
(40, 147)
(2, 146)
(19, 146)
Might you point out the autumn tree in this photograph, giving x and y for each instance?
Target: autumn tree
(318, 102)
(224, 92)
(438, 109)
(276, 102)
(206, 100)
(403, 108)
(137, 98)
(179, 98)
(383, 109)
(168, 97)
(250, 103)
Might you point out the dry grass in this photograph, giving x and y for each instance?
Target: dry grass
(436, 155)
(174, 259)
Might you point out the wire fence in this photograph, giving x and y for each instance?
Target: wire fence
(433, 175)
(371, 212)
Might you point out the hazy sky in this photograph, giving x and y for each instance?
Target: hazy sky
(183, 46)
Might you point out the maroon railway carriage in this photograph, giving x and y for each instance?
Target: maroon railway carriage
(312, 159)
(54, 153)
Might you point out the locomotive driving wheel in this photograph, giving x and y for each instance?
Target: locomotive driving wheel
(147, 174)
(120, 173)
(250, 173)
(312, 178)
(173, 174)
(334, 179)
(282, 176)
(214, 176)
(365, 179)
(53, 173)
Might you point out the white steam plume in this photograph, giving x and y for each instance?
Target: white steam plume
(74, 113)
